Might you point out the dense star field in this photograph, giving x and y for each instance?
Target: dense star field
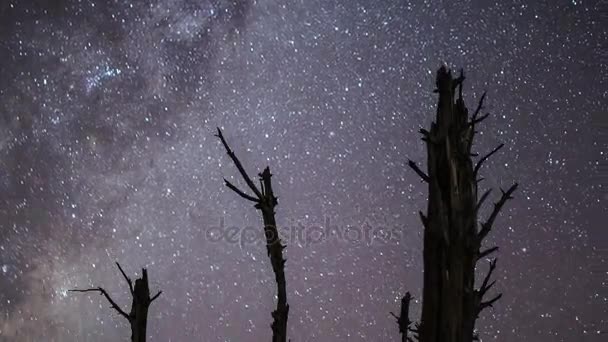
(107, 153)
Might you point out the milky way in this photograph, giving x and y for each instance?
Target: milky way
(107, 153)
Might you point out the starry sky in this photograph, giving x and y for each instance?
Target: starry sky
(107, 153)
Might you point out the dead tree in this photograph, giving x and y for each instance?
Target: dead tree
(403, 320)
(265, 201)
(453, 234)
(138, 317)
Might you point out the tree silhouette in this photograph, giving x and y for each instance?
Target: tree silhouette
(453, 235)
(265, 201)
(138, 317)
(403, 320)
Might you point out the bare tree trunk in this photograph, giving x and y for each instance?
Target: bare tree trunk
(403, 320)
(139, 308)
(275, 251)
(452, 240)
(138, 317)
(265, 201)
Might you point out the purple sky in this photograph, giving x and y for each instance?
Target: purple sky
(107, 115)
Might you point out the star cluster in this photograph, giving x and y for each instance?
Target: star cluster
(107, 153)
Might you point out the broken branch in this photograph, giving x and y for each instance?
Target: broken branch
(155, 296)
(418, 171)
(126, 278)
(489, 303)
(238, 164)
(474, 121)
(482, 160)
(480, 119)
(479, 107)
(240, 192)
(487, 226)
(486, 253)
(105, 294)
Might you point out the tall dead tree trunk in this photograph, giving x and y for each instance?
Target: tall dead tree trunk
(265, 201)
(138, 317)
(452, 233)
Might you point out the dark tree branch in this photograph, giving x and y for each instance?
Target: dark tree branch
(415, 331)
(418, 171)
(238, 164)
(424, 219)
(240, 192)
(486, 253)
(474, 121)
(427, 137)
(487, 226)
(479, 107)
(126, 278)
(105, 294)
(155, 296)
(485, 286)
(482, 160)
(490, 302)
(480, 119)
(483, 199)
(424, 132)
(403, 320)
(458, 83)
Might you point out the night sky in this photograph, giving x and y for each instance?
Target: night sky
(107, 153)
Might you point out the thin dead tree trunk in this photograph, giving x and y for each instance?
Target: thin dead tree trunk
(403, 320)
(138, 317)
(453, 234)
(265, 201)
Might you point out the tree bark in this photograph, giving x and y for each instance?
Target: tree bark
(452, 240)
